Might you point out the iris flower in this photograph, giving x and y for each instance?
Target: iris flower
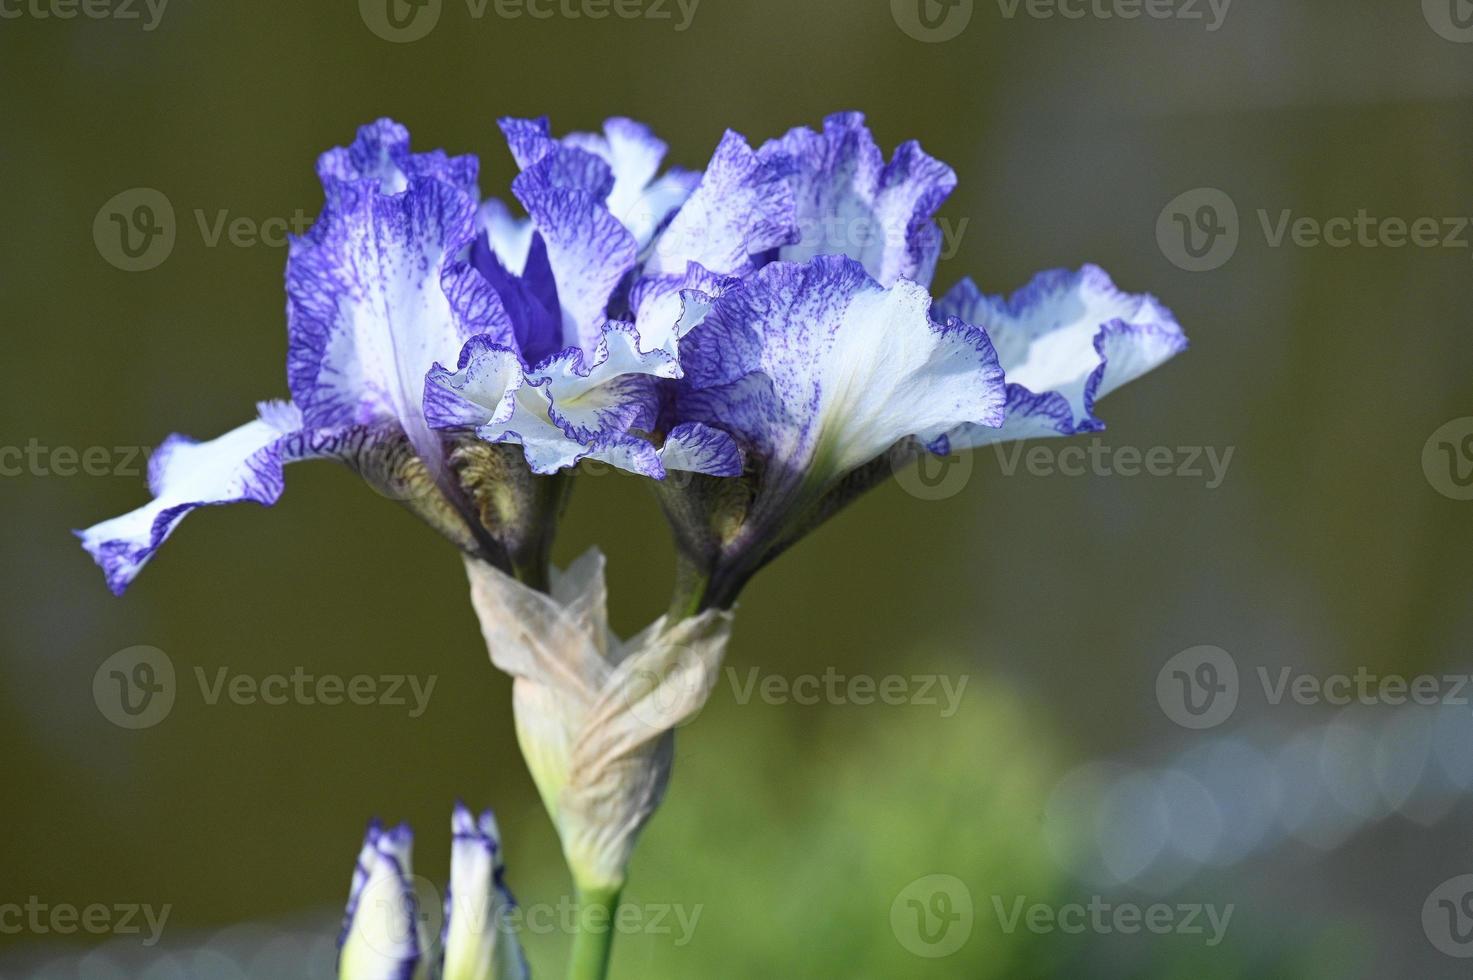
(765, 327)
(384, 935)
(830, 364)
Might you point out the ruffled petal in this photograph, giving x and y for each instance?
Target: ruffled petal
(245, 464)
(588, 250)
(632, 153)
(381, 153)
(742, 207)
(479, 942)
(1064, 341)
(381, 932)
(376, 295)
(820, 370)
(666, 308)
(569, 408)
(850, 202)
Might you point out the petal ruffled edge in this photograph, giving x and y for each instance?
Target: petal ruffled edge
(1090, 337)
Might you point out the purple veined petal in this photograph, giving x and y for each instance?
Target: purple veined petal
(377, 295)
(482, 391)
(244, 465)
(478, 939)
(610, 391)
(696, 448)
(381, 153)
(742, 207)
(381, 931)
(851, 202)
(527, 289)
(1064, 341)
(819, 370)
(630, 187)
(666, 308)
(588, 250)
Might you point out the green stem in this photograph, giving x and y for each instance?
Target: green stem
(594, 940)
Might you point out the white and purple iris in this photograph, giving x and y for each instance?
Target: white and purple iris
(384, 935)
(766, 323)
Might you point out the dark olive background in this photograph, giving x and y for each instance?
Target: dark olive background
(1327, 370)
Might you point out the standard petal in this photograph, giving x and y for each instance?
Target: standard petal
(381, 932)
(632, 154)
(850, 202)
(376, 295)
(381, 153)
(819, 370)
(588, 249)
(1064, 341)
(742, 207)
(245, 464)
(479, 941)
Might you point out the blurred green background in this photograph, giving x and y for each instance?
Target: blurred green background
(795, 828)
